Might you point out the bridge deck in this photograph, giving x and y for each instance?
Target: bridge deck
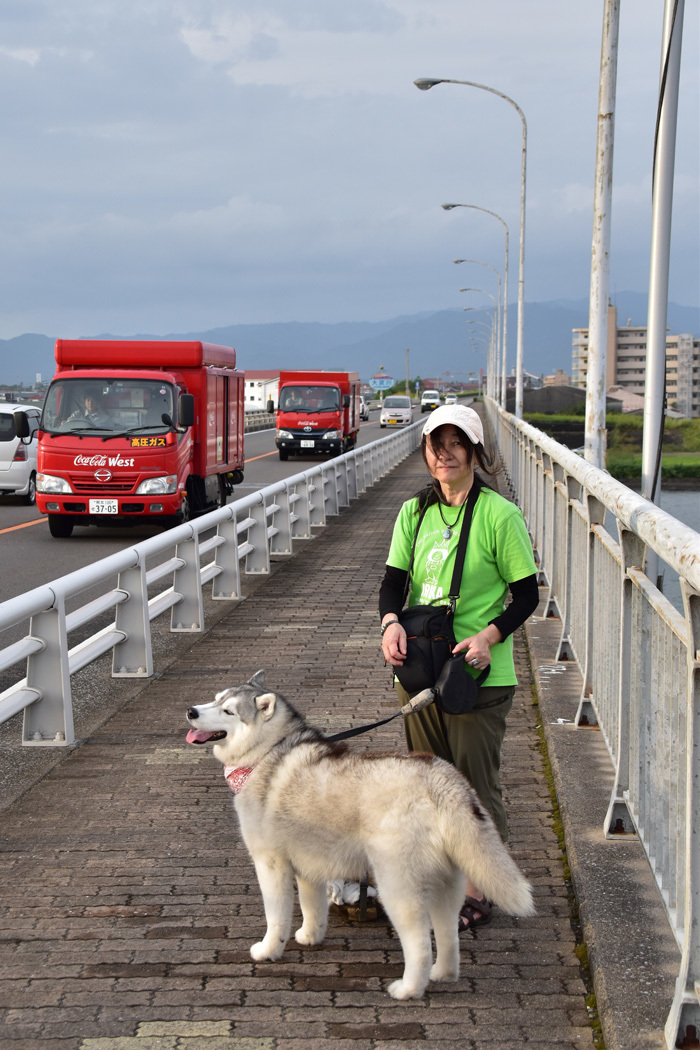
(130, 904)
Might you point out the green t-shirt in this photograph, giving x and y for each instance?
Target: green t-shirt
(499, 552)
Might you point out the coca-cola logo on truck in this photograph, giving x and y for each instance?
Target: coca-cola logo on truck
(102, 461)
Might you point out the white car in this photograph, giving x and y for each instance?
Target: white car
(364, 408)
(396, 411)
(429, 400)
(18, 455)
(450, 399)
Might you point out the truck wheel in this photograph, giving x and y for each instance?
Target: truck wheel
(29, 497)
(284, 455)
(60, 526)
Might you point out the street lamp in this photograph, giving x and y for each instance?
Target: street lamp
(476, 207)
(424, 84)
(491, 353)
(496, 306)
(480, 262)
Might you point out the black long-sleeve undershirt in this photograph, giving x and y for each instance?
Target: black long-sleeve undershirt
(524, 599)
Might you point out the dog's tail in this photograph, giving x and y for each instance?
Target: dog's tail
(475, 846)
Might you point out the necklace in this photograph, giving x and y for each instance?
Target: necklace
(447, 531)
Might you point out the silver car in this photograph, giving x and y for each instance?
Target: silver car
(18, 455)
(396, 411)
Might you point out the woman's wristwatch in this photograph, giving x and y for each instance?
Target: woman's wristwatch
(388, 624)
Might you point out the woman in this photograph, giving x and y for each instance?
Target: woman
(498, 559)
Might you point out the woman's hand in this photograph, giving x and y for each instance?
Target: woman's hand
(477, 648)
(394, 644)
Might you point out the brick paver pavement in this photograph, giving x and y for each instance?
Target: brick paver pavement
(129, 903)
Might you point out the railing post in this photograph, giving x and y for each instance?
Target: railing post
(685, 1009)
(300, 511)
(49, 720)
(281, 534)
(188, 614)
(595, 515)
(227, 584)
(618, 819)
(133, 658)
(330, 489)
(570, 489)
(257, 562)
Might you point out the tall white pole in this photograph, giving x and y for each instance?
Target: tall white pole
(662, 202)
(596, 384)
(424, 84)
(504, 311)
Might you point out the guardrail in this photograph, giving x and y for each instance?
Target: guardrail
(242, 536)
(638, 658)
(259, 421)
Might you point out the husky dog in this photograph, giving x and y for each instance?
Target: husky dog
(311, 809)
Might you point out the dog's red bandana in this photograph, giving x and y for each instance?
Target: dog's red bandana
(236, 777)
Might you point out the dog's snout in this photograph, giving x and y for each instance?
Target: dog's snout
(192, 713)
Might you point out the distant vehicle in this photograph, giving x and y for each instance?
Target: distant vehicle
(317, 413)
(429, 400)
(18, 455)
(450, 399)
(364, 408)
(397, 411)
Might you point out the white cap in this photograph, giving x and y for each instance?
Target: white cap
(459, 416)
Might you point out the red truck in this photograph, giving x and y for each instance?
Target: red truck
(136, 432)
(317, 412)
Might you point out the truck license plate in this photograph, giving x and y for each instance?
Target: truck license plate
(307, 444)
(103, 506)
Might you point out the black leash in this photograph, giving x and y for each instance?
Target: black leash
(419, 701)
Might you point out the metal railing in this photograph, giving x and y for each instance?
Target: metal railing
(240, 537)
(638, 657)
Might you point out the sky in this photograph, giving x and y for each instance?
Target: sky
(180, 165)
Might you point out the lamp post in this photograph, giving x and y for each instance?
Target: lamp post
(424, 84)
(497, 315)
(476, 207)
(480, 262)
(491, 355)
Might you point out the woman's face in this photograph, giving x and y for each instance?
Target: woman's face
(449, 461)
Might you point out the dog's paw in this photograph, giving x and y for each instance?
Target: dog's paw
(310, 934)
(264, 950)
(445, 975)
(401, 990)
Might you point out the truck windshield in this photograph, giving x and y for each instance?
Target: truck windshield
(309, 399)
(110, 406)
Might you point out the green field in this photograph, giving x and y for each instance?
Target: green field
(681, 443)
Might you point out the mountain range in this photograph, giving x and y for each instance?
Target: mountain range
(437, 342)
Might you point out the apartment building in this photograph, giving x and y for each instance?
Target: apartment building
(626, 363)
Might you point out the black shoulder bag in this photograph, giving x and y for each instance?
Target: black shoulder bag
(430, 635)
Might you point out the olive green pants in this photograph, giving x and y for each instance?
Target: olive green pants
(471, 742)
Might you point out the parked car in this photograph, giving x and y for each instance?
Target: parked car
(397, 411)
(364, 408)
(18, 455)
(429, 400)
(450, 399)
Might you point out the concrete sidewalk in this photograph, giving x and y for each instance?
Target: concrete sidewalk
(129, 904)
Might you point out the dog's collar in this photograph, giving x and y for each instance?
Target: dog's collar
(236, 777)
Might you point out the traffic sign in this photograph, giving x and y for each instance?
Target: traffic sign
(381, 382)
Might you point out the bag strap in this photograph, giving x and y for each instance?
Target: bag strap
(461, 546)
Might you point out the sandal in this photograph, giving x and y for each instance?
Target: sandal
(474, 913)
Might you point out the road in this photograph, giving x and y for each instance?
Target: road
(30, 556)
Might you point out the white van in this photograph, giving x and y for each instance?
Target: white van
(18, 455)
(429, 400)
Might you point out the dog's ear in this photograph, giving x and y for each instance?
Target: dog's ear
(258, 679)
(265, 704)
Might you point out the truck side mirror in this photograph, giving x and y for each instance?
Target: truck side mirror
(22, 425)
(346, 401)
(185, 410)
(270, 405)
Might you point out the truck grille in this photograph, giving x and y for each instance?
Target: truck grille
(124, 483)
